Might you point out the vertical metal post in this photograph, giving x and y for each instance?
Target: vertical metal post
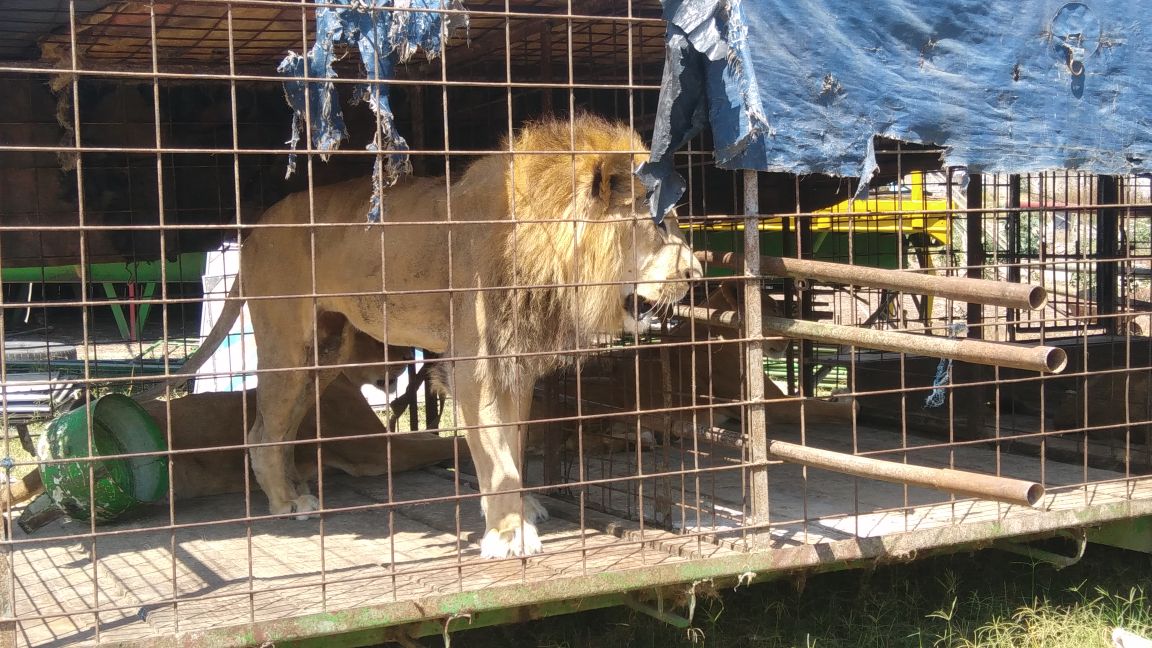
(754, 423)
(807, 347)
(413, 406)
(431, 406)
(975, 260)
(1107, 251)
(1013, 248)
(791, 304)
(546, 67)
(416, 137)
(975, 256)
(553, 473)
(8, 629)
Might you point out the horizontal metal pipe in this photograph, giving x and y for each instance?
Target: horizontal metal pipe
(960, 482)
(716, 316)
(1044, 359)
(976, 291)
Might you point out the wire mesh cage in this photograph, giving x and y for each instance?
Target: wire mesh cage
(351, 319)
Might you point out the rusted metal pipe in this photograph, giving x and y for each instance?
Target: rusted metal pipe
(1044, 359)
(960, 482)
(976, 291)
(715, 316)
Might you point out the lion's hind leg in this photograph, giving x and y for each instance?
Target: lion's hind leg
(283, 399)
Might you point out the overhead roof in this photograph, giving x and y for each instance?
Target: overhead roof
(599, 39)
(805, 87)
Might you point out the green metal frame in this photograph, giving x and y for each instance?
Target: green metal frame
(142, 309)
(185, 268)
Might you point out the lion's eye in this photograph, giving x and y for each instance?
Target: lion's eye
(614, 184)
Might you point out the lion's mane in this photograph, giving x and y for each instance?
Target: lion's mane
(564, 258)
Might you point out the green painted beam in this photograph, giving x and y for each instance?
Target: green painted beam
(117, 310)
(1134, 534)
(437, 627)
(186, 268)
(144, 308)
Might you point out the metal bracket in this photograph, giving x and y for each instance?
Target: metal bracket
(658, 612)
(1057, 560)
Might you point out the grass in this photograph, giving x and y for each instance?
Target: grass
(404, 424)
(16, 452)
(988, 600)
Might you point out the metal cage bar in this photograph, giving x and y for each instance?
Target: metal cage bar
(805, 398)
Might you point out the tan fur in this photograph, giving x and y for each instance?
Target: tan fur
(536, 261)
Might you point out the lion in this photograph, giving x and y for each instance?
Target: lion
(531, 255)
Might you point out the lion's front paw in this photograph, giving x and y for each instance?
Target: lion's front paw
(523, 541)
(302, 506)
(534, 511)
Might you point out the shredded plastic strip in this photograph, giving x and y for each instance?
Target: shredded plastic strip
(386, 33)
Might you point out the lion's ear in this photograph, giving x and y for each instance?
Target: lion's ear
(603, 182)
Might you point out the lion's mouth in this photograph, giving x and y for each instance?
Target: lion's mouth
(639, 308)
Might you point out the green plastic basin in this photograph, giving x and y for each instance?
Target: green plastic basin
(119, 426)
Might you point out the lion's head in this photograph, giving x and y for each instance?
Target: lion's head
(583, 231)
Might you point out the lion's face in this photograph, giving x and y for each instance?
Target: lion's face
(658, 264)
(583, 220)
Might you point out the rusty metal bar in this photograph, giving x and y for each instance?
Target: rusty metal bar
(755, 424)
(971, 401)
(715, 316)
(976, 291)
(960, 482)
(1044, 359)
(1107, 247)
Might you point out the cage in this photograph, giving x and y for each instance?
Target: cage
(842, 372)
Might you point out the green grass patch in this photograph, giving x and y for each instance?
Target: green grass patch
(988, 599)
(16, 452)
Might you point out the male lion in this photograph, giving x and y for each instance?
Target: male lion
(530, 255)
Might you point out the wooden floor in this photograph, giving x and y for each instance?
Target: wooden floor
(70, 588)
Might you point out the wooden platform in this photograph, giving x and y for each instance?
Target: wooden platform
(199, 571)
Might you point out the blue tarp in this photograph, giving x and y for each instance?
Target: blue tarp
(1005, 87)
(385, 32)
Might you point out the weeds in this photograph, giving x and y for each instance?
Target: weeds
(986, 600)
(1046, 616)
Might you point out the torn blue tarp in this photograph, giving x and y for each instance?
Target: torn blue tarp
(386, 32)
(1005, 87)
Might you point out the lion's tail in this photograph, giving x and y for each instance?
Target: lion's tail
(233, 304)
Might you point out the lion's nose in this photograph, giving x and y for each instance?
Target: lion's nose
(694, 269)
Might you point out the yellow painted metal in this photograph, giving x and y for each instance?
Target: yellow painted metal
(883, 212)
